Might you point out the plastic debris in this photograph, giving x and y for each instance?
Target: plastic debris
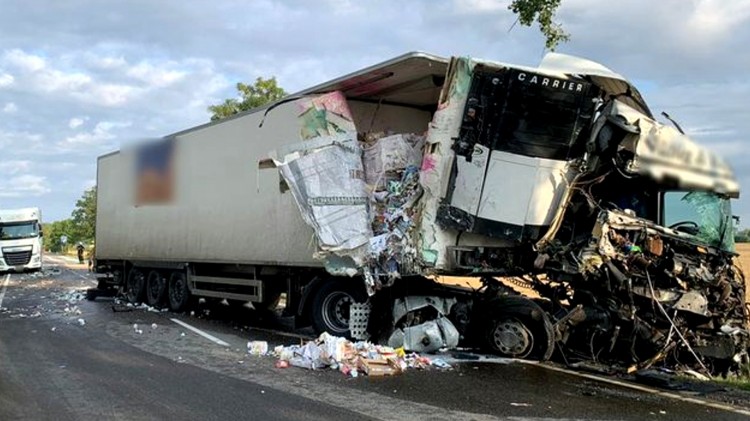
(53, 328)
(257, 347)
(352, 358)
(281, 364)
(154, 325)
(81, 322)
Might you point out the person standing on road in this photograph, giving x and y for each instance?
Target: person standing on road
(80, 249)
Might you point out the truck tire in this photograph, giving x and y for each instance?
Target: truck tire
(330, 306)
(178, 292)
(156, 289)
(135, 286)
(518, 328)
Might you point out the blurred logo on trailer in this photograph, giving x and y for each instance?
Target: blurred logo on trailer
(155, 172)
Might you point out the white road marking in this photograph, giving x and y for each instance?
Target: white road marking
(644, 389)
(200, 332)
(64, 264)
(5, 286)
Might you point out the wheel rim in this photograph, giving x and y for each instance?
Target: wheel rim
(155, 286)
(176, 293)
(336, 311)
(512, 338)
(135, 280)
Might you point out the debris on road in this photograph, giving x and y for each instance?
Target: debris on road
(81, 322)
(257, 347)
(351, 358)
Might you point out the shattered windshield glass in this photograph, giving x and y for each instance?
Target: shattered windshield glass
(707, 216)
(19, 230)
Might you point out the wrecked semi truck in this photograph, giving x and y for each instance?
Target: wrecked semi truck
(350, 197)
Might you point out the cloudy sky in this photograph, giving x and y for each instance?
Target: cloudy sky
(79, 78)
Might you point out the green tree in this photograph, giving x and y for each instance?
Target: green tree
(543, 12)
(252, 96)
(53, 233)
(83, 218)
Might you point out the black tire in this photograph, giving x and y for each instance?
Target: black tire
(156, 289)
(518, 328)
(179, 292)
(135, 286)
(330, 306)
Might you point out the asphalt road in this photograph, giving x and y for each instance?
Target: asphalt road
(62, 358)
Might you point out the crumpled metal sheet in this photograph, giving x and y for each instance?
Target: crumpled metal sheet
(429, 336)
(426, 337)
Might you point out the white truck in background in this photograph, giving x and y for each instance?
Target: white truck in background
(350, 196)
(21, 239)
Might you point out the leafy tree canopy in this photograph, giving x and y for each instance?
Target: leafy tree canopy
(252, 96)
(84, 216)
(543, 12)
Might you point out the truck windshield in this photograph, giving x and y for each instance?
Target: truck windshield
(13, 231)
(707, 216)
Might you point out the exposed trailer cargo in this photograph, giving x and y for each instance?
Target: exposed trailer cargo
(470, 168)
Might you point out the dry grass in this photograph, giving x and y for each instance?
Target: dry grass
(744, 263)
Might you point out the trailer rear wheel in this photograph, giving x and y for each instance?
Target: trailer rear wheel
(156, 289)
(330, 307)
(179, 293)
(135, 286)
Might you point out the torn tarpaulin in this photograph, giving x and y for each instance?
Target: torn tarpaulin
(325, 176)
(324, 115)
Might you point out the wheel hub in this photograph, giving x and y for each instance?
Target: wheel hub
(512, 338)
(336, 311)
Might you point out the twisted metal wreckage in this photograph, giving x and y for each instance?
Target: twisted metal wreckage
(558, 176)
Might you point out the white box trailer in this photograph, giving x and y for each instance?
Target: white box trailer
(517, 169)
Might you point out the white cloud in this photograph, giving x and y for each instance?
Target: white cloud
(76, 122)
(24, 61)
(155, 76)
(18, 141)
(107, 62)
(480, 6)
(24, 186)
(10, 108)
(99, 136)
(712, 20)
(107, 94)
(6, 79)
(14, 167)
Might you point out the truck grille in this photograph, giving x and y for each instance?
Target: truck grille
(17, 258)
